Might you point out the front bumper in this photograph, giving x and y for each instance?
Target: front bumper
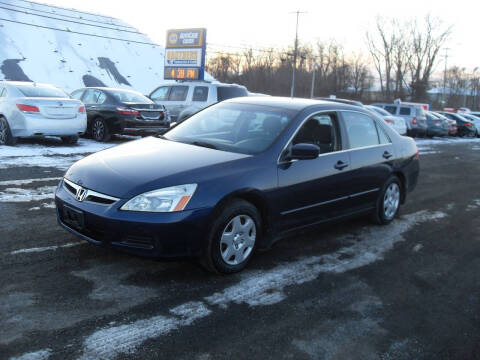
(159, 235)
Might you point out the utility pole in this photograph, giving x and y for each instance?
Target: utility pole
(292, 88)
(445, 78)
(315, 66)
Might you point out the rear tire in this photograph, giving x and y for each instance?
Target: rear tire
(6, 137)
(100, 130)
(234, 235)
(388, 202)
(70, 140)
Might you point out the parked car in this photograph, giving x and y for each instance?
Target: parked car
(29, 109)
(436, 125)
(465, 127)
(475, 120)
(341, 101)
(183, 99)
(414, 116)
(282, 165)
(451, 124)
(396, 122)
(118, 111)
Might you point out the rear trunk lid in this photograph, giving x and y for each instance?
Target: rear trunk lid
(148, 111)
(54, 108)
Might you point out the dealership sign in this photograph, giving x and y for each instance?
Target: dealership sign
(185, 54)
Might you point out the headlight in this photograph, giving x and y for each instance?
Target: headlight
(169, 199)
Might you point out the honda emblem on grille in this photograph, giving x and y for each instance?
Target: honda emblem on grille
(81, 194)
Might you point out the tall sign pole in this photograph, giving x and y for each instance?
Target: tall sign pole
(292, 88)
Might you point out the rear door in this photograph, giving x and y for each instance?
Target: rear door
(312, 191)
(371, 157)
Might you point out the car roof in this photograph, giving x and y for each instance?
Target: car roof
(291, 103)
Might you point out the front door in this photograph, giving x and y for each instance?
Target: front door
(314, 190)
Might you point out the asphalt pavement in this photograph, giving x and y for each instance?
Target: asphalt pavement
(351, 290)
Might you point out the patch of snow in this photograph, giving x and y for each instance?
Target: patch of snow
(35, 208)
(46, 248)
(108, 343)
(37, 355)
(28, 181)
(266, 287)
(417, 247)
(27, 195)
(446, 140)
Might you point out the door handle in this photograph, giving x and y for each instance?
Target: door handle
(340, 165)
(387, 155)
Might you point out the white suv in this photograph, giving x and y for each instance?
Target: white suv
(183, 99)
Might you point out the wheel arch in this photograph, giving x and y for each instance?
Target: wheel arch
(257, 199)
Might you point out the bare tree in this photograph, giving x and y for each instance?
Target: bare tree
(426, 41)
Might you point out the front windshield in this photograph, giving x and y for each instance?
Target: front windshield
(126, 96)
(234, 127)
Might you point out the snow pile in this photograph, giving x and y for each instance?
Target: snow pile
(72, 49)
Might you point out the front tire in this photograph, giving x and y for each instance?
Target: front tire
(100, 130)
(233, 238)
(6, 137)
(388, 202)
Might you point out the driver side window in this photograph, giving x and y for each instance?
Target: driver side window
(320, 130)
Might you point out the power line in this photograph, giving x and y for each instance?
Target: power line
(70, 21)
(77, 32)
(66, 9)
(67, 16)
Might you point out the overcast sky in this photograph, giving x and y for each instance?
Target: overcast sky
(270, 23)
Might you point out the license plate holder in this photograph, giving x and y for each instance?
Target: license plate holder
(73, 217)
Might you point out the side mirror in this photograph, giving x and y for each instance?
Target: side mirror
(304, 151)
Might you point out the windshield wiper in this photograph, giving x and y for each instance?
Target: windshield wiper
(204, 144)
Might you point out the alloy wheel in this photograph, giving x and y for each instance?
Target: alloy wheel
(391, 201)
(238, 239)
(98, 130)
(3, 131)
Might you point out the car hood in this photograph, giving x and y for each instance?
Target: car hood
(126, 170)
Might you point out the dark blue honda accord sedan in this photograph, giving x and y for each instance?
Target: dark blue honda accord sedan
(236, 176)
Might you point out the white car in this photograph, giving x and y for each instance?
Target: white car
(396, 122)
(183, 99)
(29, 109)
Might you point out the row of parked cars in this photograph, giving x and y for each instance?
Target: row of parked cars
(29, 109)
(415, 120)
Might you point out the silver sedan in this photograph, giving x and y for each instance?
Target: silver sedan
(30, 109)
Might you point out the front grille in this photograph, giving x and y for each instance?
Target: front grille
(90, 195)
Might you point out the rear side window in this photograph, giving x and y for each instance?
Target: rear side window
(161, 94)
(320, 130)
(200, 93)
(93, 96)
(228, 92)
(178, 93)
(391, 109)
(77, 94)
(404, 111)
(361, 130)
(3, 92)
(101, 97)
